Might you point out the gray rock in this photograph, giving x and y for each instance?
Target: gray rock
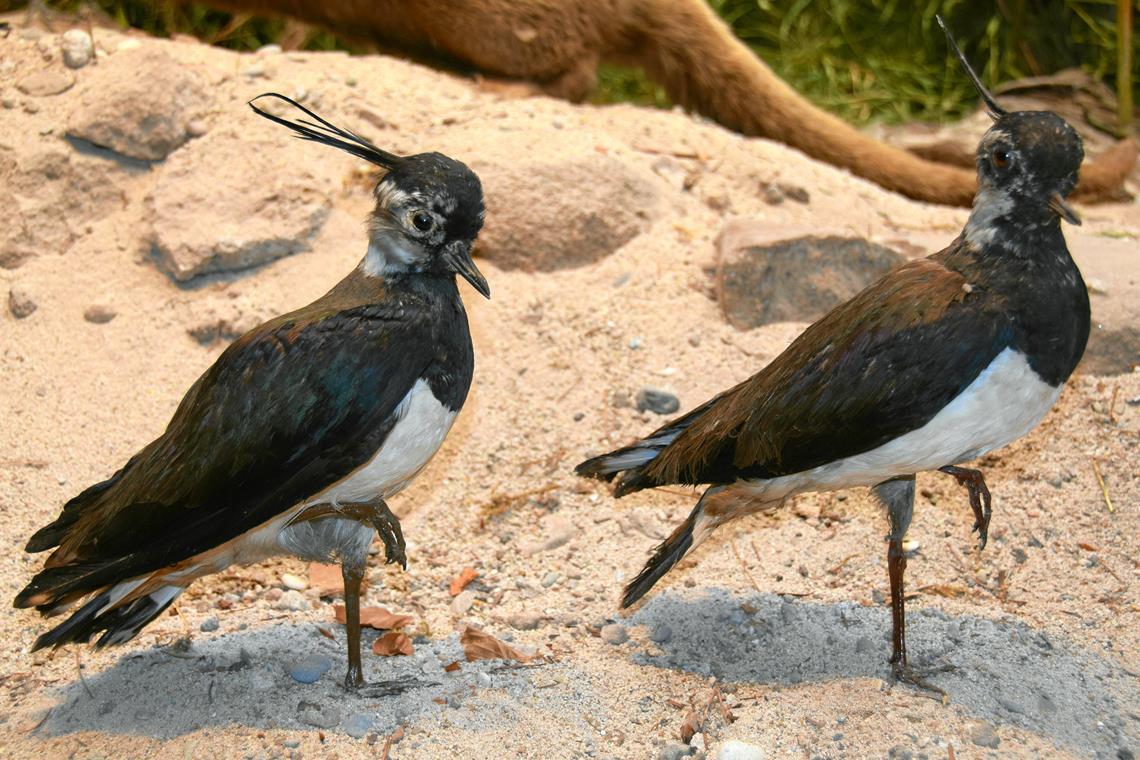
(735, 749)
(209, 625)
(293, 601)
(310, 668)
(549, 579)
(656, 401)
(318, 715)
(358, 724)
(529, 227)
(252, 222)
(899, 752)
(767, 279)
(46, 82)
(661, 634)
(99, 314)
(77, 47)
(614, 633)
(526, 621)
(673, 752)
(20, 302)
(55, 193)
(483, 680)
(138, 103)
(982, 734)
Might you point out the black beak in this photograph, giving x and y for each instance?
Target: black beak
(1062, 209)
(458, 257)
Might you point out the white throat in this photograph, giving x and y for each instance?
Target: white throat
(989, 206)
(390, 253)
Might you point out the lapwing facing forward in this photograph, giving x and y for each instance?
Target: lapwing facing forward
(291, 442)
(938, 362)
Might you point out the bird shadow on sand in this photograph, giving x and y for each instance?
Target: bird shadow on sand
(243, 678)
(1003, 671)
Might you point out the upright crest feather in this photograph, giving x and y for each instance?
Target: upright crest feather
(323, 131)
(995, 111)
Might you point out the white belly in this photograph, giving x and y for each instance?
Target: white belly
(1003, 403)
(423, 423)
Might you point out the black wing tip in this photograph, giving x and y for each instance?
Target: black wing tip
(595, 468)
(995, 111)
(665, 556)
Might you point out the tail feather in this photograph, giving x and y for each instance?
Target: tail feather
(119, 623)
(666, 555)
(52, 534)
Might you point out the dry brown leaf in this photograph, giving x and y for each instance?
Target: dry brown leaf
(466, 575)
(374, 617)
(1087, 547)
(393, 643)
(325, 632)
(690, 725)
(483, 646)
(326, 579)
(451, 668)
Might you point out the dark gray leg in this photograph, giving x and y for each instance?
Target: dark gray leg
(353, 575)
(898, 497)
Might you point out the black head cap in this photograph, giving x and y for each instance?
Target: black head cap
(1030, 157)
(449, 187)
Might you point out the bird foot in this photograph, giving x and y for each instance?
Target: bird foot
(918, 677)
(374, 689)
(975, 484)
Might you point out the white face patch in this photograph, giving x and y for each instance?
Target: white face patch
(390, 252)
(990, 205)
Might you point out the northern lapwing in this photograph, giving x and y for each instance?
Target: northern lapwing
(293, 440)
(938, 362)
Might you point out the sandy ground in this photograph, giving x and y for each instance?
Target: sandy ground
(780, 617)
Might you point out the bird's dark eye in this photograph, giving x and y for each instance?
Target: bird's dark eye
(1000, 158)
(423, 221)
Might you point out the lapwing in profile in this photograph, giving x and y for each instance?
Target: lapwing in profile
(293, 440)
(938, 362)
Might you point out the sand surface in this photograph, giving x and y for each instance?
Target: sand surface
(780, 620)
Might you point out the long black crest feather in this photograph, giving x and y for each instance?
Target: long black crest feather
(995, 111)
(323, 131)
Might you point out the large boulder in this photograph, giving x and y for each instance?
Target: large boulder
(236, 198)
(769, 275)
(552, 210)
(138, 103)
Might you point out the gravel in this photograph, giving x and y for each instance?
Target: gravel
(309, 669)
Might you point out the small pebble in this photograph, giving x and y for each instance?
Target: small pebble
(209, 625)
(270, 49)
(673, 752)
(482, 680)
(636, 343)
(614, 634)
(321, 716)
(738, 750)
(290, 581)
(983, 735)
(99, 314)
(661, 634)
(20, 302)
(196, 128)
(462, 603)
(525, 621)
(549, 579)
(293, 601)
(358, 724)
(291, 743)
(899, 752)
(310, 668)
(656, 401)
(77, 48)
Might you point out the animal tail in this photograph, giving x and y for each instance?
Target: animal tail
(689, 534)
(703, 66)
(51, 534)
(107, 612)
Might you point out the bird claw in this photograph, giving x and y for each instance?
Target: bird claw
(388, 528)
(975, 484)
(903, 673)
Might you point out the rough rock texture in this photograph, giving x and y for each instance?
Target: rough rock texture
(46, 82)
(138, 103)
(532, 228)
(763, 277)
(51, 195)
(259, 206)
